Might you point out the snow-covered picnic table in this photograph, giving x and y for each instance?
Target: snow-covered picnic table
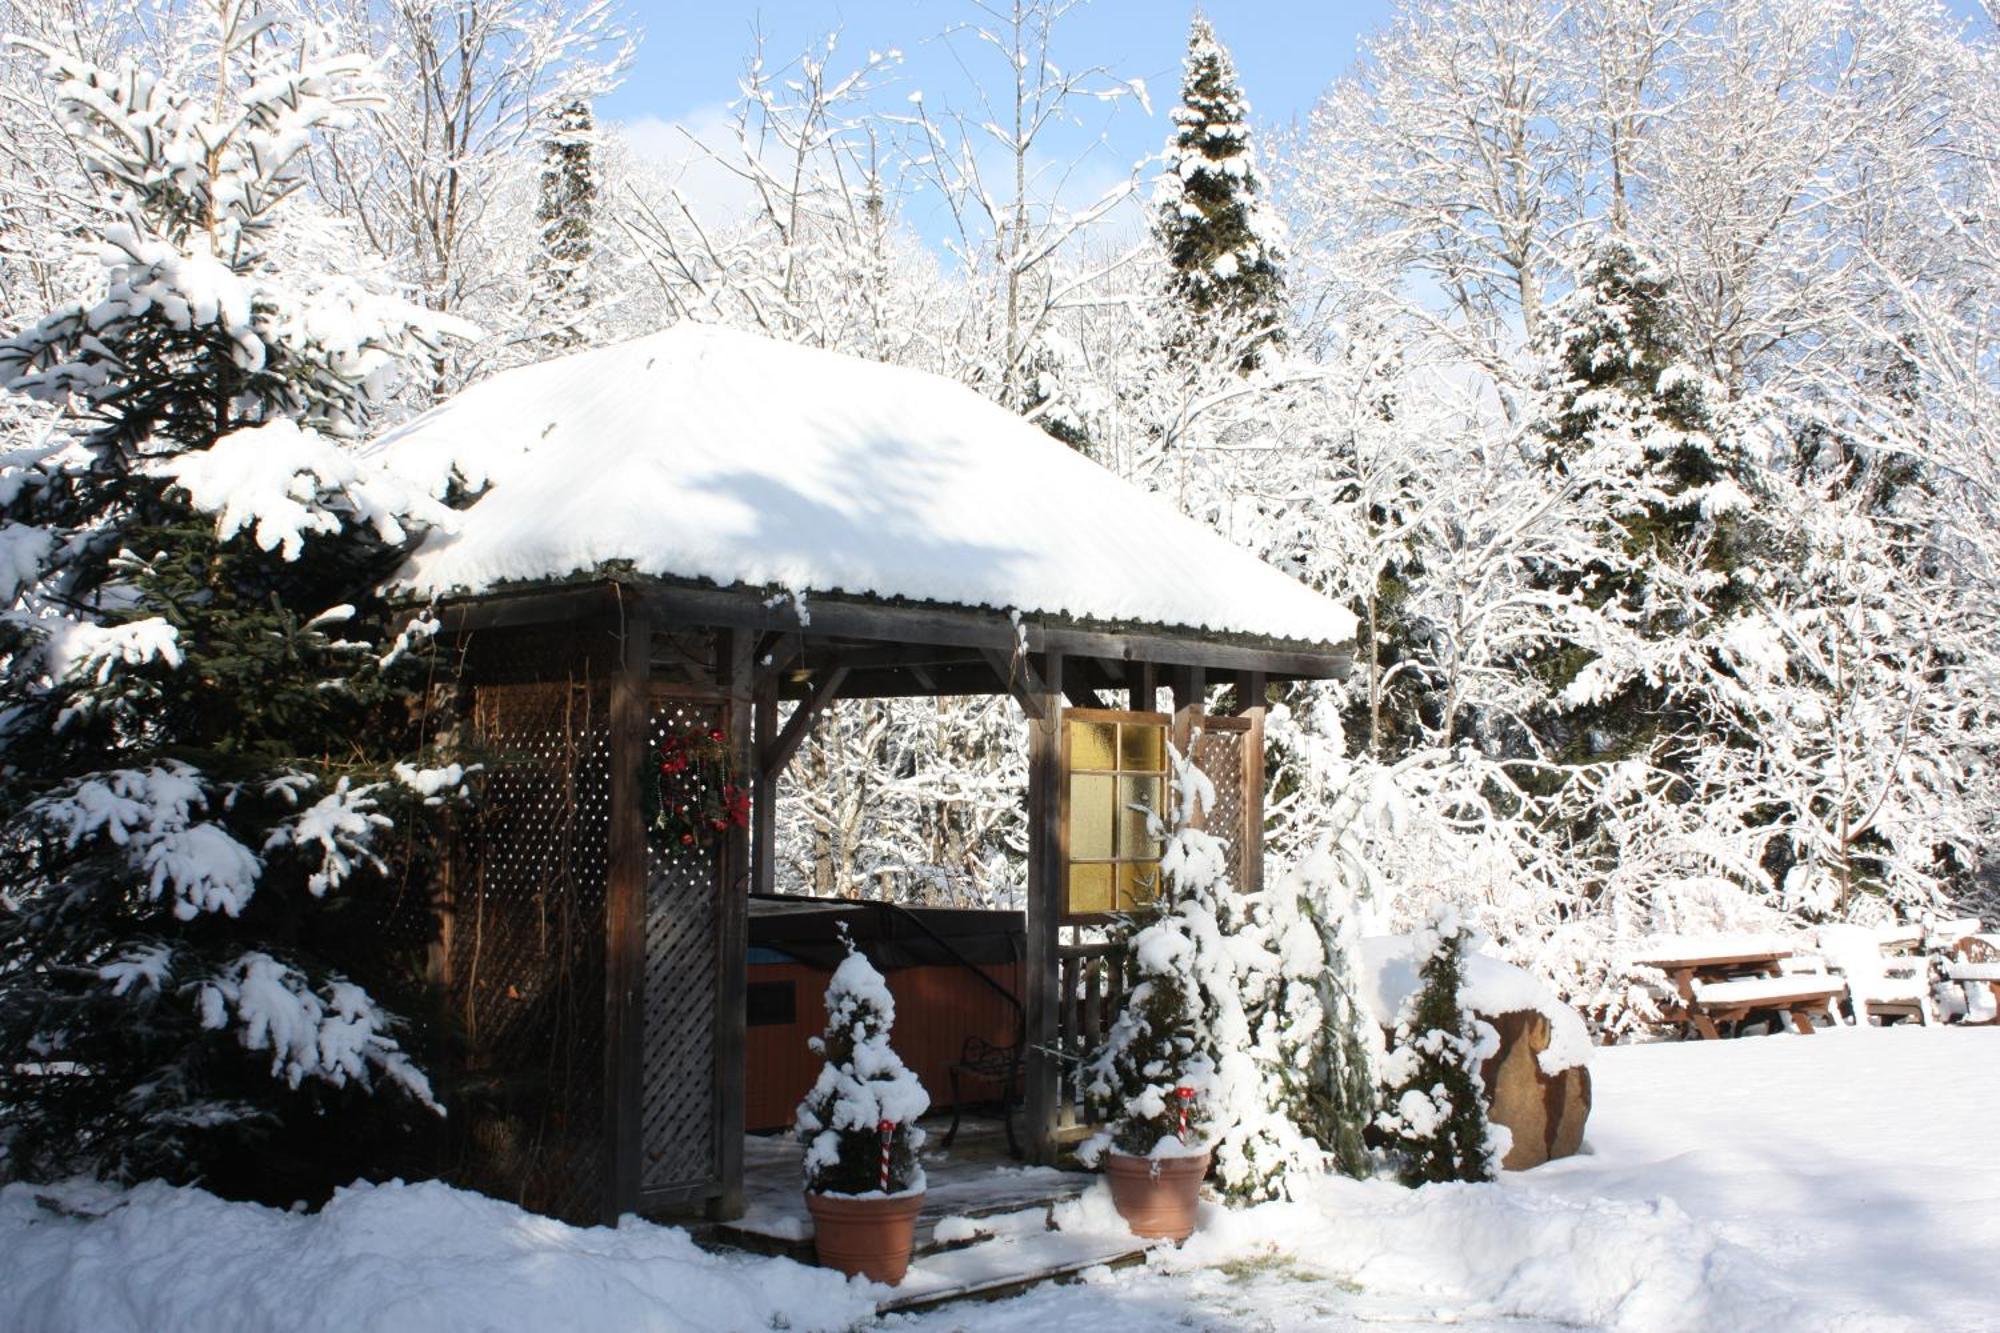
(1726, 978)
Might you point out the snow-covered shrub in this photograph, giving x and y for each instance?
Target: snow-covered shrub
(1201, 1038)
(1434, 1112)
(863, 1087)
(1328, 1045)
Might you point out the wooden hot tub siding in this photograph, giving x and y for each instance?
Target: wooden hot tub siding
(937, 1007)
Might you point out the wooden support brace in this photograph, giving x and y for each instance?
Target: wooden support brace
(1021, 679)
(772, 760)
(1081, 695)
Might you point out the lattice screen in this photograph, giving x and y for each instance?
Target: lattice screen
(524, 940)
(677, 1116)
(1218, 752)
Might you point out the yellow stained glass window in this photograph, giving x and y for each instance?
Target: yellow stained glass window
(1116, 786)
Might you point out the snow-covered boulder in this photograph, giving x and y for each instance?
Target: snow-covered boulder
(1538, 1080)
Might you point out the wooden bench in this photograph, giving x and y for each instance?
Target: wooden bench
(1800, 996)
(1973, 974)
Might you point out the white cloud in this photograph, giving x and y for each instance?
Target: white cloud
(691, 153)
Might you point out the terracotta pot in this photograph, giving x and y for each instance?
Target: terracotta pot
(1156, 1195)
(871, 1237)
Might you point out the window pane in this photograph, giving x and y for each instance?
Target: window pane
(1133, 840)
(1138, 884)
(1092, 807)
(1089, 888)
(1093, 745)
(1142, 745)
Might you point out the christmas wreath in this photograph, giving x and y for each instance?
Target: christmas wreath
(695, 789)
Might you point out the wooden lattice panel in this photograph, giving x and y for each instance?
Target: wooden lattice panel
(524, 941)
(677, 1098)
(1218, 753)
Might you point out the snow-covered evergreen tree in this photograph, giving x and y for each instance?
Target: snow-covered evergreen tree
(863, 1085)
(1203, 1033)
(1434, 1108)
(567, 212)
(1327, 1047)
(203, 717)
(1224, 247)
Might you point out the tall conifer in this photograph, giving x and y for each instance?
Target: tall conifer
(201, 713)
(1223, 246)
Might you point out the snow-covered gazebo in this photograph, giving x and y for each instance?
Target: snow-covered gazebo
(674, 535)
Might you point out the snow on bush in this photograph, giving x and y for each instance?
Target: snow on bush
(1434, 1107)
(863, 1085)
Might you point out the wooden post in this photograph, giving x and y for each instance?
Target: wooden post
(732, 937)
(1144, 690)
(624, 919)
(1190, 686)
(1045, 876)
(1251, 690)
(764, 794)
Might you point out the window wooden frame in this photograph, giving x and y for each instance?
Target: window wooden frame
(1067, 771)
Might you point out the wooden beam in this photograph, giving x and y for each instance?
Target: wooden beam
(624, 919)
(772, 760)
(747, 608)
(737, 657)
(1018, 674)
(1042, 967)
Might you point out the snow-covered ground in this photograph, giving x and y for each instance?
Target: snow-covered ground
(1843, 1181)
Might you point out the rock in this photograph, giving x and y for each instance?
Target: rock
(1544, 1112)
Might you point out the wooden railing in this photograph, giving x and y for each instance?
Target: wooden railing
(1090, 990)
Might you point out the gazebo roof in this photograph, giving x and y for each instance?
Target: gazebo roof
(708, 454)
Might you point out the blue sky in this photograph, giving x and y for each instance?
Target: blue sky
(1287, 52)
(685, 73)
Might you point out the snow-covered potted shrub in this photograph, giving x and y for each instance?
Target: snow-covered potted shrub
(864, 1186)
(1153, 1083)
(1434, 1114)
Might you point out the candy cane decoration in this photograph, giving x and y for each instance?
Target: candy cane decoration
(888, 1129)
(1186, 1096)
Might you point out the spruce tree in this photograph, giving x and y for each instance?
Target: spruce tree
(1621, 392)
(1223, 246)
(1434, 1113)
(862, 1086)
(199, 816)
(566, 212)
(1337, 1097)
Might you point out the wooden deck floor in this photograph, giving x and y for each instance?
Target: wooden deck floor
(975, 1177)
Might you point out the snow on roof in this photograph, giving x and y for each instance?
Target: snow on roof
(707, 453)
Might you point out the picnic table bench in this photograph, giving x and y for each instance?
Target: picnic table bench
(1975, 973)
(1728, 984)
